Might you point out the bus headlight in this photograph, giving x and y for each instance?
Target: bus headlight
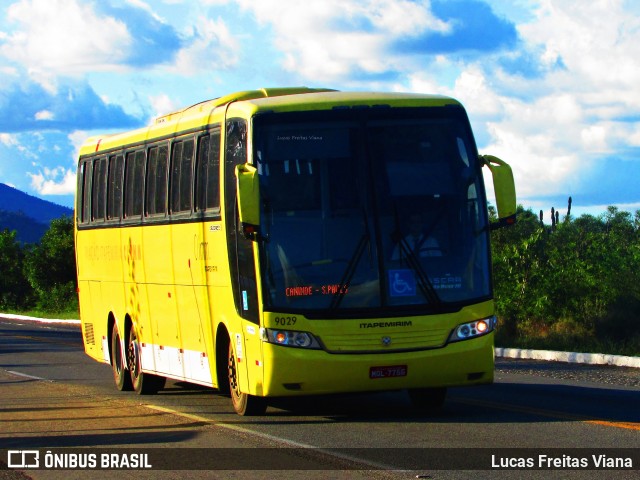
(290, 338)
(474, 329)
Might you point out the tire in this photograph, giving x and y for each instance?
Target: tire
(428, 399)
(120, 375)
(243, 403)
(143, 383)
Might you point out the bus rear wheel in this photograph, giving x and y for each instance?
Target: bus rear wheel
(428, 398)
(120, 376)
(243, 403)
(142, 383)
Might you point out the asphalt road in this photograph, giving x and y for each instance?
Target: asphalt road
(53, 396)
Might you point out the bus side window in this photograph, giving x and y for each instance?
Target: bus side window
(157, 180)
(134, 184)
(181, 176)
(85, 172)
(114, 193)
(99, 192)
(208, 173)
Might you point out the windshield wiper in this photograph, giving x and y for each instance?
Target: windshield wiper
(424, 284)
(345, 281)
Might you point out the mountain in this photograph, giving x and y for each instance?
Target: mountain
(28, 215)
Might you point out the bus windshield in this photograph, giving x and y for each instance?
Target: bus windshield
(370, 210)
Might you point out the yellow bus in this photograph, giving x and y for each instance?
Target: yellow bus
(291, 241)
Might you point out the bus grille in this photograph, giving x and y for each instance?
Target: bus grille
(89, 337)
(385, 341)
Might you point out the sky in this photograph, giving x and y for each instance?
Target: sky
(550, 86)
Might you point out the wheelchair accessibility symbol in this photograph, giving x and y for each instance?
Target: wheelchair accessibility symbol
(402, 283)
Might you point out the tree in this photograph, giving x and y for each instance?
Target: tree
(14, 288)
(519, 267)
(51, 269)
(580, 277)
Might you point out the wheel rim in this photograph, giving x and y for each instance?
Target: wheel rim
(117, 356)
(133, 355)
(233, 376)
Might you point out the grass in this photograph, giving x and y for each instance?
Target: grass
(568, 336)
(65, 315)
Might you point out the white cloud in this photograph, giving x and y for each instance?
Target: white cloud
(146, 7)
(594, 138)
(44, 115)
(539, 167)
(8, 139)
(63, 37)
(595, 42)
(9, 72)
(327, 40)
(11, 140)
(597, 45)
(77, 138)
(212, 48)
(162, 104)
(56, 181)
(553, 128)
(473, 89)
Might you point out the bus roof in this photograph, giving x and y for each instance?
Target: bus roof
(209, 105)
(250, 102)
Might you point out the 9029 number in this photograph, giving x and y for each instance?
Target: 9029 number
(282, 321)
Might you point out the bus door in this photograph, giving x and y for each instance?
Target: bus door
(245, 337)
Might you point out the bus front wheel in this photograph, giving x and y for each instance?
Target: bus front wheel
(243, 403)
(120, 376)
(143, 383)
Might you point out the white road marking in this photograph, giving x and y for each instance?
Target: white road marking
(32, 377)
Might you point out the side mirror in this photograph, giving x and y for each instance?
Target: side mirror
(248, 194)
(504, 188)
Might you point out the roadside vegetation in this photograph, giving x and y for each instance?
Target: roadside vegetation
(572, 284)
(39, 279)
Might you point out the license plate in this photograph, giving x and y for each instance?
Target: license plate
(388, 372)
